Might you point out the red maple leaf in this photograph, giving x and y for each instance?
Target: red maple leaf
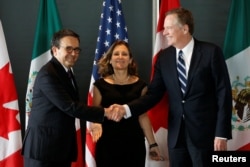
(158, 115)
(8, 115)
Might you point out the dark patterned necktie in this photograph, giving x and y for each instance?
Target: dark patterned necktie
(70, 75)
(181, 68)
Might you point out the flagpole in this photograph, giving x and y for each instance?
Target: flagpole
(155, 16)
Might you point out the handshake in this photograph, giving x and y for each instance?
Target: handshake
(115, 112)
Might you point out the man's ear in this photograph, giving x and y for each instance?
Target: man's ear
(54, 50)
(185, 29)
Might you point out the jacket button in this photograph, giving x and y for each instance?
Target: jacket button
(183, 101)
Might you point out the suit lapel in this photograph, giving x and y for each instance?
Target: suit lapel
(75, 84)
(194, 64)
(73, 88)
(176, 75)
(172, 67)
(65, 79)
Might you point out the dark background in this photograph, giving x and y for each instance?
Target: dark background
(19, 19)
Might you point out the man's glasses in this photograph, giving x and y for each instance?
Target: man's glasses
(70, 49)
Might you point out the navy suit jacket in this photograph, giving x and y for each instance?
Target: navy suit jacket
(51, 133)
(207, 104)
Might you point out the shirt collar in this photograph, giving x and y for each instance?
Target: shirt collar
(188, 48)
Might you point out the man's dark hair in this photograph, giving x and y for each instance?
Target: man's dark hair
(56, 39)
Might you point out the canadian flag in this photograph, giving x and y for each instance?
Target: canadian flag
(159, 114)
(10, 128)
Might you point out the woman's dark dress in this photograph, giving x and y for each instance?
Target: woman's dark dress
(122, 144)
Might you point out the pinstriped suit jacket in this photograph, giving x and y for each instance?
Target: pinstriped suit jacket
(51, 133)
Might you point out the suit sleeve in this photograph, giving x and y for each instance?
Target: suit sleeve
(156, 90)
(61, 97)
(224, 95)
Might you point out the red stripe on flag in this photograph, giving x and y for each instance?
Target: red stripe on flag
(10, 128)
(245, 147)
(79, 162)
(112, 9)
(159, 114)
(13, 160)
(165, 6)
(89, 145)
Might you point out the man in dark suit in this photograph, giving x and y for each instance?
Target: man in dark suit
(200, 102)
(50, 138)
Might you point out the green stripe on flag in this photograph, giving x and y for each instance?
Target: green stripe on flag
(237, 54)
(238, 29)
(48, 22)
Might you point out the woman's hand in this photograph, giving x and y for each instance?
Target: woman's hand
(95, 131)
(154, 153)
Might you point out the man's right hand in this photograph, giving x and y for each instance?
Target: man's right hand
(115, 112)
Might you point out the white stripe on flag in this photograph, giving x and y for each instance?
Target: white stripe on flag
(238, 67)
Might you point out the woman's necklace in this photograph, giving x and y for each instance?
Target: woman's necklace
(120, 81)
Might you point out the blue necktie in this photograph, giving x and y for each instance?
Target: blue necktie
(181, 68)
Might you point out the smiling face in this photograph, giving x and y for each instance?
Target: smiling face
(120, 58)
(177, 34)
(67, 53)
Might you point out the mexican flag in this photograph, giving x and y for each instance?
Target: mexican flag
(48, 22)
(237, 55)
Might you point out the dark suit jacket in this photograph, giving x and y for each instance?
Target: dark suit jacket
(51, 133)
(207, 104)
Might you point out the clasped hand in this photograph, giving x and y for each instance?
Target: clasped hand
(115, 112)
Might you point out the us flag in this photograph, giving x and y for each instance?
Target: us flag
(112, 27)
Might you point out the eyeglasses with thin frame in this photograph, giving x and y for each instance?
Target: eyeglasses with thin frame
(70, 49)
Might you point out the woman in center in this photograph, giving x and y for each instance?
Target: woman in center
(121, 144)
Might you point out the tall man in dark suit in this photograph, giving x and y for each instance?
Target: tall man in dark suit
(50, 138)
(200, 103)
